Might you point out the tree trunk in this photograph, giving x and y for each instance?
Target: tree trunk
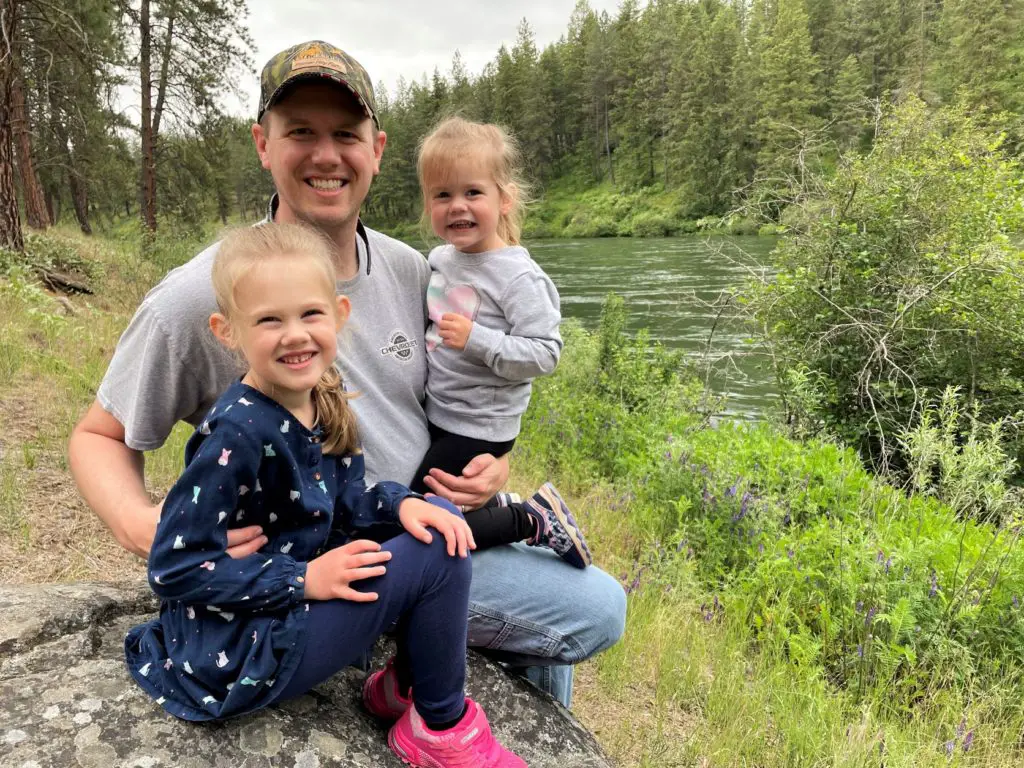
(147, 191)
(79, 199)
(10, 219)
(35, 205)
(76, 184)
(48, 195)
(608, 145)
(165, 63)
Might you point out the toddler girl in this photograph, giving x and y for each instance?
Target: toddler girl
(493, 327)
(279, 450)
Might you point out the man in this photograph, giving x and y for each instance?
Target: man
(318, 135)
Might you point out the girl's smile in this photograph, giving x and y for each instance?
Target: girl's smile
(286, 326)
(466, 206)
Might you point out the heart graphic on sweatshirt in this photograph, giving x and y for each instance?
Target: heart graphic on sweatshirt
(458, 298)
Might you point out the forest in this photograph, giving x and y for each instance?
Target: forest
(698, 108)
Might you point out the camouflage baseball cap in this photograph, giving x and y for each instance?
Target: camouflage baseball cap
(312, 60)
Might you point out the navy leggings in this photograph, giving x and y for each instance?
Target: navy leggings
(427, 592)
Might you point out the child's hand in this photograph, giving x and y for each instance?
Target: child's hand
(454, 330)
(417, 514)
(328, 576)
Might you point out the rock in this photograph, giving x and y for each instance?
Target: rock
(66, 700)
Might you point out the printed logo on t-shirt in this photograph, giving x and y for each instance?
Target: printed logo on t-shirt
(400, 346)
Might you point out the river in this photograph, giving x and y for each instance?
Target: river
(670, 286)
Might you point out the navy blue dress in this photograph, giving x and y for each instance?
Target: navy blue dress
(231, 630)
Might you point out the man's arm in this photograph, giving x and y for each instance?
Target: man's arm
(110, 476)
(483, 477)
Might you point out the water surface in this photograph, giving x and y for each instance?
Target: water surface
(673, 287)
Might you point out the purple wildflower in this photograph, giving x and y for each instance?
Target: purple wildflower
(950, 746)
(968, 740)
(790, 553)
(880, 557)
(859, 606)
(760, 548)
(888, 566)
(870, 616)
(860, 651)
(668, 455)
(1016, 602)
(961, 728)
(731, 490)
(933, 590)
(635, 584)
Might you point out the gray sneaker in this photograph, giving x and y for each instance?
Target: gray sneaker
(556, 527)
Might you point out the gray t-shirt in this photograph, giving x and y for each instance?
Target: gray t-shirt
(483, 390)
(168, 366)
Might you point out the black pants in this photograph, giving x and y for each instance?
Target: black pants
(491, 525)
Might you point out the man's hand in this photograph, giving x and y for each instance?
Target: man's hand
(243, 542)
(328, 577)
(417, 515)
(454, 330)
(141, 530)
(483, 477)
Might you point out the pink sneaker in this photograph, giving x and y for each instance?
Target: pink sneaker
(381, 696)
(470, 743)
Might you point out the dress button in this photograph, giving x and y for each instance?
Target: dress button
(300, 580)
(316, 476)
(316, 439)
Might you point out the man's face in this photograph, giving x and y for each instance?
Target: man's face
(322, 152)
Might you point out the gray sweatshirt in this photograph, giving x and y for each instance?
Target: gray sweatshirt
(483, 390)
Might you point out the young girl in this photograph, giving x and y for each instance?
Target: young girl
(279, 449)
(493, 327)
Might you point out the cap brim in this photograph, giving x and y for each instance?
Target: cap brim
(305, 77)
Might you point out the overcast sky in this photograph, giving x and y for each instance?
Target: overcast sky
(404, 38)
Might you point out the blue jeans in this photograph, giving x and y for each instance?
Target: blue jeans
(531, 610)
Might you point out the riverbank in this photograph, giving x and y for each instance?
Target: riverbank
(785, 607)
(564, 211)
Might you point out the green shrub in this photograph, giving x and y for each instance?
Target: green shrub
(47, 252)
(652, 224)
(903, 279)
(893, 595)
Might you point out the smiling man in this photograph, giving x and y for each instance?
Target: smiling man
(318, 135)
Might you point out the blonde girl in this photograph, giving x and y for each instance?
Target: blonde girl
(494, 320)
(279, 449)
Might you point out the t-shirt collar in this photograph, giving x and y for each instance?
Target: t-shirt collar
(360, 229)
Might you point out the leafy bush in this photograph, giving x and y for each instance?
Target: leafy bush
(894, 596)
(611, 402)
(904, 281)
(652, 224)
(47, 252)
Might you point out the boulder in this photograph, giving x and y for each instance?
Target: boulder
(66, 700)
